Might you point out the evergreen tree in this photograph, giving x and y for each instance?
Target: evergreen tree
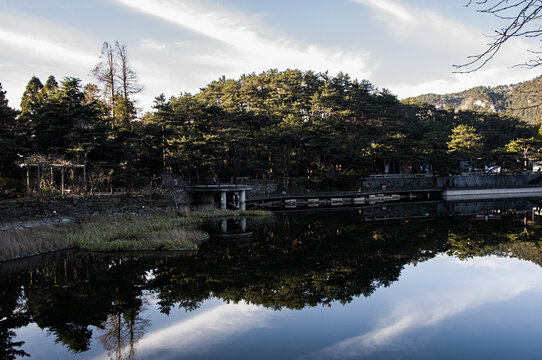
(31, 96)
(9, 146)
(528, 149)
(465, 141)
(50, 87)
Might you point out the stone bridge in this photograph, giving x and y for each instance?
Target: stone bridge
(222, 196)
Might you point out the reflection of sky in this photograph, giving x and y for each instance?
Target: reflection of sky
(443, 308)
(437, 292)
(208, 329)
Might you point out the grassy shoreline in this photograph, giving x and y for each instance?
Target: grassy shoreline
(166, 230)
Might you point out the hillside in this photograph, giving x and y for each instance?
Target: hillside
(519, 100)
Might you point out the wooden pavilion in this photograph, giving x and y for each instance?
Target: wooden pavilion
(48, 168)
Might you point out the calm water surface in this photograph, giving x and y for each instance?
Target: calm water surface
(323, 285)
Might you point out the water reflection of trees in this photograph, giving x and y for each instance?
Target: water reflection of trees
(71, 297)
(12, 316)
(292, 264)
(121, 333)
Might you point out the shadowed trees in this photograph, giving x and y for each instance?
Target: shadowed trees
(287, 126)
(9, 146)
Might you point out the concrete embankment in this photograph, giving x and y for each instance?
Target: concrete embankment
(497, 193)
(467, 181)
(388, 188)
(463, 187)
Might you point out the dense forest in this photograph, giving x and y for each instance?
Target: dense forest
(521, 100)
(277, 125)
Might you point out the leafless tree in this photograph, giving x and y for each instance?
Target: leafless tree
(521, 20)
(92, 94)
(106, 73)
(126, 76)
(118, 81)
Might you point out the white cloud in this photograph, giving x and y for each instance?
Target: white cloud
(427, 38)
(40, 41)
(212, 326)
(152, 45)
(398, 11)
(488, 76)
(432, 43)
(39, 47)
(416, 22)
(44, 49)
(246, 49)
(442, 298)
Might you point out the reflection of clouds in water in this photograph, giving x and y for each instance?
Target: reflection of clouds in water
(204, 330)
(442, 297)
(201, 331)
(487, 262)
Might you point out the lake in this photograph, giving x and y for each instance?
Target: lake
(427, 280)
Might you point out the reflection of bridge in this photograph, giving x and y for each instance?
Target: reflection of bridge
(426, 209)
(340, 198)
(380, 189)
(206, 196)
(431, 209)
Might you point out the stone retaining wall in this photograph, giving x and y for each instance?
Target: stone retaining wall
(412, 182)
(262, 189)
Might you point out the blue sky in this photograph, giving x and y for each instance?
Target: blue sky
(176, 46)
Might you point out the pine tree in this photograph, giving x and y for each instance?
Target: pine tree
(9, 147)
(465, 141)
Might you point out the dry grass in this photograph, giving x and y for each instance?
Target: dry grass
(156, 231)
(126, 232)
(18, 243)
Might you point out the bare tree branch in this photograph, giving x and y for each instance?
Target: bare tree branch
(126, 76)
(118, 82)
(521, 18)
(106, 74)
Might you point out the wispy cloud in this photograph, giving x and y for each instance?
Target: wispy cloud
(445, 41)
(488, 76)
(41, 41)
(212, 326)
(152, 45)
(247, 49)
(36, 46)
(390, 7)
(44, 49)
(424, 25)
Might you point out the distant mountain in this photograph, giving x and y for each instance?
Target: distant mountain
(523, 100)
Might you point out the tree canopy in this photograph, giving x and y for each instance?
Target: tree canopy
(288, 126)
